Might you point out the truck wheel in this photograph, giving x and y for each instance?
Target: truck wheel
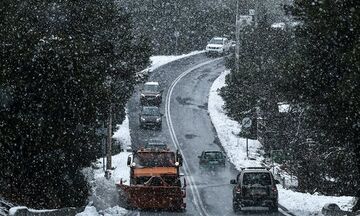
(274, 208)
(236, 207)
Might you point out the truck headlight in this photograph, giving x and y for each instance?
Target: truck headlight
(142, 119)
(158, 95)
(158, 119)
(142, 95)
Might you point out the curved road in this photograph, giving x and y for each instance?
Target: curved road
(187, 126)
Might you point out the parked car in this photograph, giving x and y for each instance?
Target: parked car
(255, 186)
(150, 116)
(151, 94)
(156, 145)
(332, 209)
(212, 158)
(218, 46)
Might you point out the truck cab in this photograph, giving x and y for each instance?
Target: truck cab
(155, 180)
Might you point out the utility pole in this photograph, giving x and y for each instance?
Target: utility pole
(109, 141)
(237, 36)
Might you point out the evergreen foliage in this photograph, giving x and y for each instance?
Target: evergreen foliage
(62, 64)
(326, 81)
(317, 72)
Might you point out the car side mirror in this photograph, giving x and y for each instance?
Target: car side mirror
(277, 181)
(233, 181)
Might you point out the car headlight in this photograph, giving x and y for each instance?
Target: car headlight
(158, 95)
(142, 95)
(158, 119)
(142, 119)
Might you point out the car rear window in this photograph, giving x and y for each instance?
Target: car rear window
(213, 155)
(263, 179)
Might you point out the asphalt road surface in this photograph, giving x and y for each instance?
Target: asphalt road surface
(187, 126)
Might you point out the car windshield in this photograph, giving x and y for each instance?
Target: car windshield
(151, 88)
(150, 111)
(216, 41)
(263, 179)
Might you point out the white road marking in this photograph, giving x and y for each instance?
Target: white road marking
(194, 190)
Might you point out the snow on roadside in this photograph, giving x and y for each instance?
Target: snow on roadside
(310, 204)
(301, 204)
(105, 196)
(157, 61)
(227, 129)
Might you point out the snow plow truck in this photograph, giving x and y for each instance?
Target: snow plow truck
(154, 181)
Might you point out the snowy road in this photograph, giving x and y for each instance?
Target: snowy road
(186, 124)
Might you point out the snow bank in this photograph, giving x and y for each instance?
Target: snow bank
(122, 134)
(310, 204)
(227, 130)
(89, 211)
(105, 197)
(157, 61)
(300, 204)
(114, 211)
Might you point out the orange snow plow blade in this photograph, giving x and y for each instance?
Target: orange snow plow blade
(154, 197)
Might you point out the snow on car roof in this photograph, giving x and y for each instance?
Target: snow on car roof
(151, 83)
(219, 38)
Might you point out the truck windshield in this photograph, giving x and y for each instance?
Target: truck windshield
(155, 159)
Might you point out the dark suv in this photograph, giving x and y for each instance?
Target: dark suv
(150, 116)
(151, 94)
(255, 186)
(209, 158)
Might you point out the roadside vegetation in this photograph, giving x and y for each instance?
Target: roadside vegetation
(313, 68)
(63, 64)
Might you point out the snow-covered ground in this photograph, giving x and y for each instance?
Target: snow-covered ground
(157, 61)
(300, 204)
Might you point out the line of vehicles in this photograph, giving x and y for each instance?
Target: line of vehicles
(150, 100)
(155, 179)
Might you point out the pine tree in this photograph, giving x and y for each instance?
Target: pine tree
(322, 74)
(64, 63)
